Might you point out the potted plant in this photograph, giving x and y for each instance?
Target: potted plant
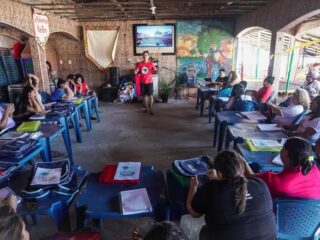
(165, 88)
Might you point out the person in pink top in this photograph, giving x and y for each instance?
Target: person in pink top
(300, 176)
(144, 69)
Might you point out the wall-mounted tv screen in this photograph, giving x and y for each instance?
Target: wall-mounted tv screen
(154, 38)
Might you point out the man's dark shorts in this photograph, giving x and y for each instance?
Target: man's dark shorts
(147, 89)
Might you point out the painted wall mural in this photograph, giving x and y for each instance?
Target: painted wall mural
(203, 47)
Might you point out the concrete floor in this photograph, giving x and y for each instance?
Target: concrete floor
(125, 133)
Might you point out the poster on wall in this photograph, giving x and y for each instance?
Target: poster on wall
(203, 47)
(41, 28)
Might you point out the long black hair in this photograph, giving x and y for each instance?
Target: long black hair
(237, 91)
(231, 165)
(78, 75)
(165, 231)
(316, 113)
(23, 101)
(299, 154)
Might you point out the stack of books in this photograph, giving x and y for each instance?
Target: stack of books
(264, 145)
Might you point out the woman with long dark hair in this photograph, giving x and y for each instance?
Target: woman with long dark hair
(300, 176)
(237, 95)
(235, 207)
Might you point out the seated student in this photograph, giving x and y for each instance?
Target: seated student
(12, 227)
(81, 85)
(71, 78)
(62, 92)
(309, 126)
(285, 115)
(32, 80)
(232, 79)
(300, 176)
(235, 207)
(6, 117)
(312, 85)
(161, 231)
(264, 93)
(29, 102)
(237, 94)
(222, 80)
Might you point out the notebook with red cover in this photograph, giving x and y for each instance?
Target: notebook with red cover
(107, 176)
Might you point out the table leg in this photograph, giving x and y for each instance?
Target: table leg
(228, 140)
(198, 98)
(222, 130)
(215, 131)
(76, 127)
(87, 116)
(96, 107)
(201, 103)
(66, 138)
(45, 153)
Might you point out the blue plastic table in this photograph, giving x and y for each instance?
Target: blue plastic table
(200, 96)
(240, 131)
(222, 120)
(54, 205)
(101, 201)
(264, 159)
(50, 132)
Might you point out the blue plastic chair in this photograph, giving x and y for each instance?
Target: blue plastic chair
(245, 106)
(299, 118)
(225, 92)
(297, 219)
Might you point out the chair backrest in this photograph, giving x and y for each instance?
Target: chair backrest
(272, 97)
(299, 117)
(45, 97)
(297, 218)
(244, 84)
(225, 92)
(245, 106)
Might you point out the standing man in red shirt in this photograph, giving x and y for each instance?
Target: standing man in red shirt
(145, 69)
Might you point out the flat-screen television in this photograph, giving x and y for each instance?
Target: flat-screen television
(154, 38)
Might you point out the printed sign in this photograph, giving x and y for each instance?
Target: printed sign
(41, 28)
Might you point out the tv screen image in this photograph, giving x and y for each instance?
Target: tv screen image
(154, 36)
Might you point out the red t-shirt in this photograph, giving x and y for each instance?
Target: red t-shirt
(264, 94)
(84, 87)
(291, 183)
(145, 71)
(16, 50)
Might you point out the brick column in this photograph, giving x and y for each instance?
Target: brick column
(276, 52)
(39, 64)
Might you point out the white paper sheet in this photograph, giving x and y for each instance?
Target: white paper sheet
(128, 171)
(269, 127)
(265, 143)
(45, 176)
(135, 201)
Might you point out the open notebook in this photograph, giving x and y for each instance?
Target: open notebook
(269, 127)
(135, 201)
(254, 115)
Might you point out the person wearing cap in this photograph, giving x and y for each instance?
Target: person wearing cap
(144, 69)
(312, 85)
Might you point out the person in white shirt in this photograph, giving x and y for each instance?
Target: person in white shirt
(312, 85)
(300, 102)
(6, 119)
(309, 127)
